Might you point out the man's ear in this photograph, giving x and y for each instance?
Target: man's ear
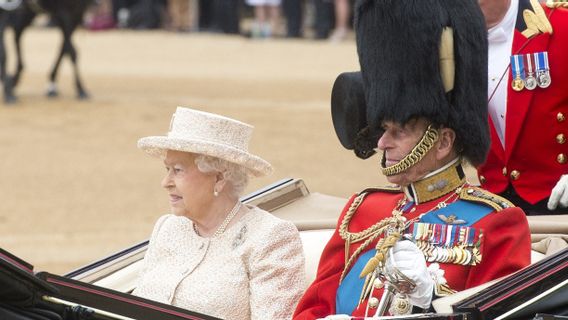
(446, 140)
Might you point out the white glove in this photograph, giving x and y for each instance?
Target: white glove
(411, 262)
(559, 194)
(336, 317)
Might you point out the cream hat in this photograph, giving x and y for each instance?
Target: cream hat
(208, 134)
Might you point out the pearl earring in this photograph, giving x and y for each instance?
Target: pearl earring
(215, 192)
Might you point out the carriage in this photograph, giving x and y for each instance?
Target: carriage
(101, 289)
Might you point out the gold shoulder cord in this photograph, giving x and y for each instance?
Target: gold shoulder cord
(371, 233)
(557, 4)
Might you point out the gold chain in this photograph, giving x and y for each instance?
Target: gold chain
(372, 233)
(376, 230)
(356, 237)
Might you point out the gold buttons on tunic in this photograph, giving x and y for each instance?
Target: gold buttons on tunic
(378, 283)
(504, 171)
(560, 117)
(560, 138)
(373, 302)
(482, 179)
(515, 175)
(561, 158)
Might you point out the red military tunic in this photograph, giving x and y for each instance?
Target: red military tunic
(536, 129)
(505, 248)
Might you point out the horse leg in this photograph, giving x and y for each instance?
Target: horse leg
(8, 92)
(67, 27)
(22, 21)
(52, 86)
(81, 92)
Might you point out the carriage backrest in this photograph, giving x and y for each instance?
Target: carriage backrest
(316, 216)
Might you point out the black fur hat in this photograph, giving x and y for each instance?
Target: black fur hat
(398, 43)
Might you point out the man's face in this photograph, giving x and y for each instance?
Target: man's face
(397, 141)
(494, 11)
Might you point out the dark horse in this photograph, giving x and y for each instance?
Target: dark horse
(65, 14)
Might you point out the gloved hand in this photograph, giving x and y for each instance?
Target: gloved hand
(411, 262)
(336, 317)
(559, 194)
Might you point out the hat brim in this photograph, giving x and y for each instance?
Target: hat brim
(348, 108)
(157, 146)
(349, 115)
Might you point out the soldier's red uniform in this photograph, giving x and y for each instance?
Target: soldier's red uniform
(498, 230)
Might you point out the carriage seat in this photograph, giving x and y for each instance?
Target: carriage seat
(315, 216)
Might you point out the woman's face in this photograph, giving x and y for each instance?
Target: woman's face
(397, 141)
(190, 190)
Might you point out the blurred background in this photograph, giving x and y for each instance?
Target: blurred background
(73, 185)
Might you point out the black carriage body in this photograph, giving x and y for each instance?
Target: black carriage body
(540, 288)
(27, 295)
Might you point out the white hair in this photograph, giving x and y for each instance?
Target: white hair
(235, 174)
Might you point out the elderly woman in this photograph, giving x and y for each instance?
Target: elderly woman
(213, 254)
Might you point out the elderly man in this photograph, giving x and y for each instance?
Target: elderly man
(420, 99)
(528, 104)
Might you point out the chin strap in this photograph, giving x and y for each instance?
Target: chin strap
(418, 152)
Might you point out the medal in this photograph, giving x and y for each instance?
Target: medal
(518, 73)
(458, 255)
(451, 256)
(437, 254)
(518, 84)
(466, 256)
(530, 80)
(542, 70)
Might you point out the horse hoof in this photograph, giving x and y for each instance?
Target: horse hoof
(10, 100)
(83, 96)
(52, 93)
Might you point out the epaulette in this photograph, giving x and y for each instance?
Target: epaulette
(476, 194)
(388, 189)
(536, 20)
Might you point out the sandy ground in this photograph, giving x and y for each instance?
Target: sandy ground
(73, 185)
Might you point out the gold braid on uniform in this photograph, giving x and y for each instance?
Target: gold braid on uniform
(536, 20)
(371, 233)
(557, 4)
(418, 152)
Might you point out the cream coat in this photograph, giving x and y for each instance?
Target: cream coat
(255, 270)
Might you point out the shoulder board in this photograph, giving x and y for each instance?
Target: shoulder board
(476, 194)
(388, 189)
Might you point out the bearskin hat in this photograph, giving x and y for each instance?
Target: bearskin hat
(399, 44)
